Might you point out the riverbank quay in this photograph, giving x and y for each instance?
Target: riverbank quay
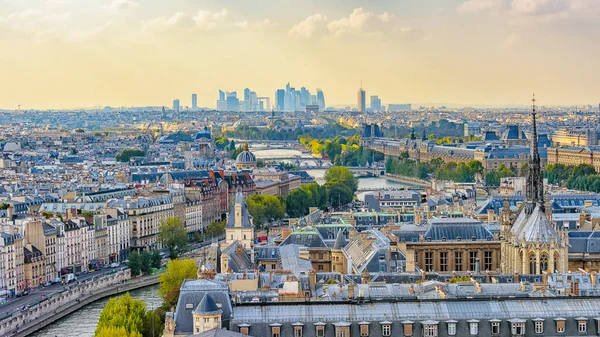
(408, 180)
(59, 305)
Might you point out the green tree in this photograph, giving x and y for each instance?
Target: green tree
(111, 331)
(171, 280)
(145, 262)
(172, 234)
(156, 259)
(339, 194)
(265, 208)
(332, 149)
(135, 263)
(123, 312)
(153, 326)
(341, 175)
(127, 154)
(215, 228)
(299, 201)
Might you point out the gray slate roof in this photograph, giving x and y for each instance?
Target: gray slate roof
(190, 296)
(239, 199)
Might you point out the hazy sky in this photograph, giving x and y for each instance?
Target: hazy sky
(75, 53)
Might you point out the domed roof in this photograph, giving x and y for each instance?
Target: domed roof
(204, 133)
(246, 156)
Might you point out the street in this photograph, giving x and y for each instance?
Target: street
(35, 295)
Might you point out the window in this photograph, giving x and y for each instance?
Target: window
(543, 263)
(428, 261)
(518, 329)
(472, 261)
(386, 330)
(495, 328)
(582, 326)
(539, 326)
(532, 264)
(275, 331)
(320, 256)
(320, 267)
(206, 320)
(342, 331)
(487, 260)
(320, 331)
(364, 330)
(560, 326)
(452, 329)
(443, 261)
(473, 328)
(458, 261)
(297, 331)
(430, 330)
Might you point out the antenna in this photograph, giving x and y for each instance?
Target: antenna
(533, 100)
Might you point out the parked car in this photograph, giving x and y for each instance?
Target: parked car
(68, 278)
(55, 281)
(115, 264)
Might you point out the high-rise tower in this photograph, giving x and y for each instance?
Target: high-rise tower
(361, 104)
(194, 102)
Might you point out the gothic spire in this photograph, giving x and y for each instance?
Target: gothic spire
(535, 183)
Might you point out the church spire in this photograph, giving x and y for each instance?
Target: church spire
(535, 183)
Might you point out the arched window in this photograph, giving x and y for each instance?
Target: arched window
(556, 265)
(543, 263)
(532, 264)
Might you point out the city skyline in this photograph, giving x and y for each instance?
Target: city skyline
(136, 53)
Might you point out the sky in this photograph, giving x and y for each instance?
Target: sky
(84, 53)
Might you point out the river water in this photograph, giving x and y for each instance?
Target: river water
(82, 323)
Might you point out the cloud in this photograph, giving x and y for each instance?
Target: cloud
(308, 27)
(123, 5)
(362, 22)
(203, 21)
(511, 39)
(477, 6)
(540, 7)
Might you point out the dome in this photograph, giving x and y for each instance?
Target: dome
(246, 157)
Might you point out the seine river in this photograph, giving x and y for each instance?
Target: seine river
(82, 323)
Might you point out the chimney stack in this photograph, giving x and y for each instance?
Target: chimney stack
(312, 280)
(516, 277)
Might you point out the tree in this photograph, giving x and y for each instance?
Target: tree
(111, 331)
(332, 149)
(123, 312)
(155, 259)
(341, 175)
(215, 228)
(125, 316)
(145, 262)
(299, 201)
(134, 263)
(127, 154)
(172, 234)
(171, 280)
(339, 194)
(265, 208)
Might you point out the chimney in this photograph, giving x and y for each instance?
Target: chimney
(545, 277)
(423, 276)
(593, 278)
(487, 276)
(365, 277)
(312, 280)
(576, 288)
(351, 234)
(412, 289)
(516, 277)
(10, 212)
(522, 286)
(351, 291)
(478, 287)
(494, 280)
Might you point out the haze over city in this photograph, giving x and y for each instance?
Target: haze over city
(75, 53)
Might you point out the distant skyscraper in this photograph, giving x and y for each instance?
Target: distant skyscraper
(375, 103)
(361, 104)
(280, 100)
(194, 102)
(176, 105)
(233, 103)
(221, 102)
(320, 99)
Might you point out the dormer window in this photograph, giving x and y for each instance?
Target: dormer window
(473, 327)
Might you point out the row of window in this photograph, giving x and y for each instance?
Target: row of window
(430, 328)
(458, 261)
